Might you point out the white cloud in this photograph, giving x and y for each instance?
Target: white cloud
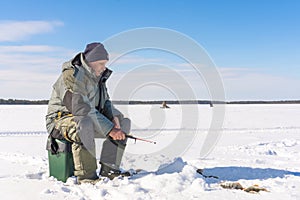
(154, 81)
(233, 73)
(239, 84)
(251, 84)
(30, 71)
(20, 30)
(40, 57)
(26, 84)
(117, 59)
(28, 48)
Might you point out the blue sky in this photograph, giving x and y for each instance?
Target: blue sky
(254, 44)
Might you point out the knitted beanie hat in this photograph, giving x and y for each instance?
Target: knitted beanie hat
(95, 51)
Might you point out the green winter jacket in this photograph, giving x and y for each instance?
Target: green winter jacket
(79, 92)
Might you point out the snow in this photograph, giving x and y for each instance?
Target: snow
(259, 144)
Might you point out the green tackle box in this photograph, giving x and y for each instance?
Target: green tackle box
(61, 164)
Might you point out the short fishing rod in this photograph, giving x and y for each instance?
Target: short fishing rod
(141, 139)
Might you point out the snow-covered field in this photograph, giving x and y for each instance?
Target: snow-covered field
(259, 144)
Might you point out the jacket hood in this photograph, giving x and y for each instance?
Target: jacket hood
(79, 61)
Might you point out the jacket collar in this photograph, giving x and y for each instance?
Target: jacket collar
(79, 62)
(85, 65)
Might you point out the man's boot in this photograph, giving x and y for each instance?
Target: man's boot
(111, 173)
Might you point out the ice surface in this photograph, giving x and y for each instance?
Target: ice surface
(260, 144)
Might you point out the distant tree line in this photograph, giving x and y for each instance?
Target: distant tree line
(22, 102)
(265, 102)
(207, 102)
(120, 102)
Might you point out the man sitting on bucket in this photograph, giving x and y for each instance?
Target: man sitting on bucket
(80, 111)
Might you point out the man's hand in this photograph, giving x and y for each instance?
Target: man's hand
(116, 122)
(117, 134)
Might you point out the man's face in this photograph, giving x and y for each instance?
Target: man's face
(98, 66)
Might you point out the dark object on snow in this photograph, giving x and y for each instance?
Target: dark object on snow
(232, 185)
(164, 105)
(200, 171)
(111, 173)
(255, 189)
(237, 186)
(61, 165)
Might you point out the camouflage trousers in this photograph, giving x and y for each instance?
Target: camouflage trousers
(85, 162)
